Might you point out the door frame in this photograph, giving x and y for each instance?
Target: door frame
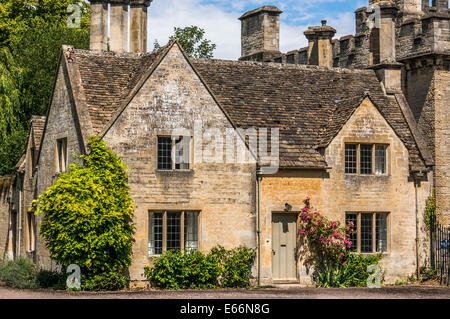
(287, 281)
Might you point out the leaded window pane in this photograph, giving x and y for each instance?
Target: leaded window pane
(380, 159)
(182, 152)
(190, 231)
(350, 158)
(366, 159)
(164, 153)
(381, 232)
(353, 230)
(366, 233)
(173, 231)
(155, 243)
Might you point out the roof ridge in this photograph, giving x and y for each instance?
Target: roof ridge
(285, 65)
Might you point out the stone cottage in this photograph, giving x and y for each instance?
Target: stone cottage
(224, 152)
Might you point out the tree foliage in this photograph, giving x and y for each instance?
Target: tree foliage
(31, 36)
(192, 41)
(88, 212)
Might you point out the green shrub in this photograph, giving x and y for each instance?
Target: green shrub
(195, 270)
(351, 273)
(88, 213)
(20, 273)
(236, 266)
(111, 281)
(335, 277)
(427, 274)
(51, 279)
(176, 270)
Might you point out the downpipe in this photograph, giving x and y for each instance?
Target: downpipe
(258, 222)
(416, 178)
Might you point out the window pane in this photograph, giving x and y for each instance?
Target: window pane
(350, 158)
(381, 236)
(380, 159)
(366, 159)
(164, 153)
(353, 230)
(190, 231)
(366, 233)
(182, 152)
(174, 231)
(62, 155)
(155, 242)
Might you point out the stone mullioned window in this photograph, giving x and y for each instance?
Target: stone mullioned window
(366, 159)
(172, 230)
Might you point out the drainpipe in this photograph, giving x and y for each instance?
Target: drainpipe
(258, 223)
(19, 221)
(417, 177)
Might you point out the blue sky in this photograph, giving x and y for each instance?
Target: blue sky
(220, 20)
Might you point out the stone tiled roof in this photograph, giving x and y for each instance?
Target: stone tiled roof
(107, 78)
(36, 131)
(37, 126)
(308, 104)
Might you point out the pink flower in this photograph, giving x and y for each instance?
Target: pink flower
(308, 198)
(313, 229)
(352, 224)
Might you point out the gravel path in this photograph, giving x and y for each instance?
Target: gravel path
(405, 292)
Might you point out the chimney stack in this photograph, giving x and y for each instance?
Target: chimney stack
(320, 49)
(119, 25)
(382, 48)
(99, 25)
(138, 25)
(260, 34)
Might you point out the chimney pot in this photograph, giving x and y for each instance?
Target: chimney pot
(320, 49)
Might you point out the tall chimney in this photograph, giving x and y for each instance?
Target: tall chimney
(138, 25)
(260, 35)
(382, 48)
(119, 25)
(320, 49)
(99, 25)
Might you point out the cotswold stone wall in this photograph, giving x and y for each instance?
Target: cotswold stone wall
(224, 194)
(5, 192)
(61, 124)
(335, 194)
(441, 92)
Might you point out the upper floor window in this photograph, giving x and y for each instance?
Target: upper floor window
(366, 159)
(61, 155)
(174, 153)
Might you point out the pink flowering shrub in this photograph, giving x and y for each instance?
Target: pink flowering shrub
(328, 241)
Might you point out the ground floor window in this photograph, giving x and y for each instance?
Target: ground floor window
(172, 230)
(369, 233)
(31, 231)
